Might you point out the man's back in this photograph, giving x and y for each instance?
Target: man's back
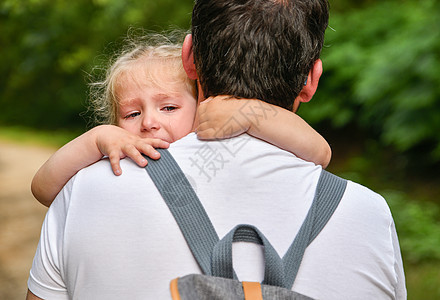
(111, 236)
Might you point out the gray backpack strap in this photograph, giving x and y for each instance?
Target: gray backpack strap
(185, 206)
(329, 192)
(222, 255)
(201, 235)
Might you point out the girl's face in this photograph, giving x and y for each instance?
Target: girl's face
(165, 111)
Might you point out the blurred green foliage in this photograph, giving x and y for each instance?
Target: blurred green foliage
(418, 227)
(381, 74)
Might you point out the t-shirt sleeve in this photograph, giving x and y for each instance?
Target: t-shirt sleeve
(398, 266)
(46, 278)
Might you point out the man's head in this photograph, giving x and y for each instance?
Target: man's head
(261, 49)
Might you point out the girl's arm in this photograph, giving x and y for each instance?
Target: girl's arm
(223, 117)
(104, 140)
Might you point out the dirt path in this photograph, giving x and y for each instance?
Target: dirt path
(20, 215)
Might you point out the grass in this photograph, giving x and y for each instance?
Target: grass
(423, 281)
(54, 139)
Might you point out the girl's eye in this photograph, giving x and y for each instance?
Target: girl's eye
(132, 115)
(169, 108)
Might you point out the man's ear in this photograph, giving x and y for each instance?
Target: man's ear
(188, 58)
(311, 84)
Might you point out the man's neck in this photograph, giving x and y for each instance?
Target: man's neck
(200, 98)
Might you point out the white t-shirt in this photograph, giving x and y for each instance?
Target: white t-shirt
(113, 237)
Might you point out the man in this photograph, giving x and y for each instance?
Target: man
(113, 237)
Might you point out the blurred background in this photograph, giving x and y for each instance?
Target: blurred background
(378, 105)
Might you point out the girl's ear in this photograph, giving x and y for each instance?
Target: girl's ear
(311, 84)
(188, 58)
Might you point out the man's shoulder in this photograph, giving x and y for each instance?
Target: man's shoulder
(103, 165)
(101, 172)
(360, 190)
(366, 201)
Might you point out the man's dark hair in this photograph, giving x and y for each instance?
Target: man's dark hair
(260, 49)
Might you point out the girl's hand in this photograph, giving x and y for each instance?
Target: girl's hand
(118, 143)
(222, 117)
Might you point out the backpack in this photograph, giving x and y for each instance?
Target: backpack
(214, 256)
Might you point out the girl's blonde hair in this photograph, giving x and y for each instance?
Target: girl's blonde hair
(144, 52)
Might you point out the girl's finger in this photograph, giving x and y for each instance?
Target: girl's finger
(156, 143)
(133, 153)
(114, 162)
(206, 134)
(149, 151)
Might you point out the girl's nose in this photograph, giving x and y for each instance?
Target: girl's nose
(150, 122)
